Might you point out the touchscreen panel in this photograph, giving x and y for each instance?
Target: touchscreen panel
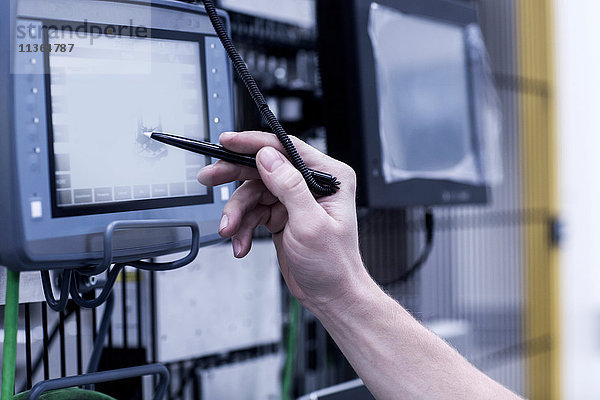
(105, 94)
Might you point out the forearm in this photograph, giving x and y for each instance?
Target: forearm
(395, 355)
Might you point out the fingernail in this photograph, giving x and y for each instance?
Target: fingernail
(237, 247)
(224, 222)
(270, 158)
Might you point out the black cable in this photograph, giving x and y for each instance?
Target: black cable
(94, 361)
(429, 230)
(45, 341)
(60, 304)
(28, 348)
(106, 290)
(70, 285)
(63, 356)
(110, 281)
(243, 72)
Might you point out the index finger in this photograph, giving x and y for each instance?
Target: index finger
(250, 142)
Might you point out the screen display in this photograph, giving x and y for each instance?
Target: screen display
(105, 94)
(424, 101)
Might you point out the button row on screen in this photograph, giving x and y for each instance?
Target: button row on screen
(123, 193)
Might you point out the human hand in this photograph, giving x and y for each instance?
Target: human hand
(316, 239)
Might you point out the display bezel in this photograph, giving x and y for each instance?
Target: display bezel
(128, 205)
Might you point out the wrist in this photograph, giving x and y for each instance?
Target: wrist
(352, 294)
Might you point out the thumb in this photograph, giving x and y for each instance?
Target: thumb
(286, 183)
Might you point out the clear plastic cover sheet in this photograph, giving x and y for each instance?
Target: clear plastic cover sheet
(425, 114)
(488, 109)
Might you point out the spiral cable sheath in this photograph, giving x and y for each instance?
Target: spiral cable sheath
(270, 118)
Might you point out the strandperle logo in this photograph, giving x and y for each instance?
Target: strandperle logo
(84, 30)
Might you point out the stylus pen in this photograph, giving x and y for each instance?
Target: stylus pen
(220, 152)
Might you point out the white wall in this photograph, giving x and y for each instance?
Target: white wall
(578, 95)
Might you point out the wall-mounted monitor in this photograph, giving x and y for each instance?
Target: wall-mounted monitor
(400, 93)
(86, 79)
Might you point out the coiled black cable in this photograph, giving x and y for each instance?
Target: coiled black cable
(265, 111)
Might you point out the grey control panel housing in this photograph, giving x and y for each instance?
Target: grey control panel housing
(31, 236)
